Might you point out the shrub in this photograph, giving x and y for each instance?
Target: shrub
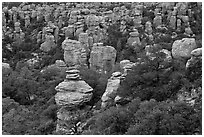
(147, 80)
(165, 118)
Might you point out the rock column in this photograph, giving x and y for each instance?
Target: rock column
(72, 94)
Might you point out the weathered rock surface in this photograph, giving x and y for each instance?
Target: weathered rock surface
(74, 53)
(72, 93)
(48, 44)
(183, 48)
(111, 90)
(197, 52)
(102, 58)
(126, 66)
(196, 57)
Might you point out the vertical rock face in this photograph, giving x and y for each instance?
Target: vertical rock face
(111, 90)
(84, 39)
(183, 48)
(72, 93)
(74, 53)
(102, 58)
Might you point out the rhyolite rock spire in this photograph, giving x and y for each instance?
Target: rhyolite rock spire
(72, 93)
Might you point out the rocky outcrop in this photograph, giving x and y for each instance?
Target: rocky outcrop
(196, 52)
(84, 39)
(111, 90)
(74, 53)
(102, 58)
(48, 44)
(196, 56)
(72, 93)
(182, 48)
(126, 66)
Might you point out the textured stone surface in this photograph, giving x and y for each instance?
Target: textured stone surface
(134, 40)
(72, 99)
(74, 53)
(71, 94)
(197, 52)
(126, 66)
(183, 48)
(196, 57)
(74, 86)
(102, 57)
(48, 44)
(111, 90)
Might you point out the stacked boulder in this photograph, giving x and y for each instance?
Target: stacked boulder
(74, 53)
(72, 93)
(102, 58)
(111, 90)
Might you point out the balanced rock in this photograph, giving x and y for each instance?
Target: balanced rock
(182, 48)
(73, 91)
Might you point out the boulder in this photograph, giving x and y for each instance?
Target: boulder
(182, 48)
(72, 99)
(73, 91)
(73, 86)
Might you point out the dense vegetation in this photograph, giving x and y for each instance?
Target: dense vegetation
(28, 105)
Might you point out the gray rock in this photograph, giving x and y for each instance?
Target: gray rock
(111, 90)
(182, 48)
(197, 52)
